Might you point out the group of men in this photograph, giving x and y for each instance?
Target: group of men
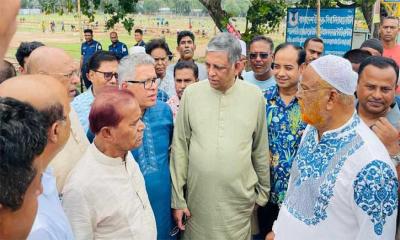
(152, 151)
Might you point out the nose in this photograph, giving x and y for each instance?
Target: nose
(377, 94)
(75, 79)
(141, 126)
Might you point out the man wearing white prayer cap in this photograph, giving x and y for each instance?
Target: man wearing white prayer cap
(343, 184)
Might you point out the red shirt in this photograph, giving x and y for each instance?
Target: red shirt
(393, 53)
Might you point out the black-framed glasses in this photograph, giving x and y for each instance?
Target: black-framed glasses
(176, 229)
(147, 84)
(108, 75)
(263, 55)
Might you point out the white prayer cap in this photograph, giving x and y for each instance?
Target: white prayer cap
(336, 71)
(243, 46)
(137, 49)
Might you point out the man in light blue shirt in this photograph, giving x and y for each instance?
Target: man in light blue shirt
(260, 59)
(102, 71)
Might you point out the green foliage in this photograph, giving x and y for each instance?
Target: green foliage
(120, 11)
(236, 8)
(263, 17)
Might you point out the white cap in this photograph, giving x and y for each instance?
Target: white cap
(243, 46)
(336, 71)
(137, 49)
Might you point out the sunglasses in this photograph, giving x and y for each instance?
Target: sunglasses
(263, 55)
(108, 75)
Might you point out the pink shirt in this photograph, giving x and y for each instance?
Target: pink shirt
(173, 103)
(393, 53)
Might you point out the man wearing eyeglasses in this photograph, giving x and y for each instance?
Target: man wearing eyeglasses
(102, 71)
(260, 59)
(138, 75)
(342, 183)
(58, 64)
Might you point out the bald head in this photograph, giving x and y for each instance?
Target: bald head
(43, 90)
(57, 63)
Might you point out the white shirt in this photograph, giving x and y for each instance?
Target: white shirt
(73, 150)
(105, 198)
(342, 187)
(51, 221)
(262, 84)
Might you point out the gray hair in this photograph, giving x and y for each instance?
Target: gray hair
(225, 42)
(128, 64)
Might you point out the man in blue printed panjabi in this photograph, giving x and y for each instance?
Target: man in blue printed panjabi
(343, 184)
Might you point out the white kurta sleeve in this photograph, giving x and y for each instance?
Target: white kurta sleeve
(77, 209)
(180, 155)
(375, 201)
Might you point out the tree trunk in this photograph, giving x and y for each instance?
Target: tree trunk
(366, 8)
(219, 16)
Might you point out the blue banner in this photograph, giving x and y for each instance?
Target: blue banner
(336, 27)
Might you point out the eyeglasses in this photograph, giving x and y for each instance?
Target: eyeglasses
(67, 75)
(301, 90)
(263, 55)
(176, 229)
(147, 84)
(108, 75)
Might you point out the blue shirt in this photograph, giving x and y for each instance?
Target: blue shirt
(153, 159)
(263, 85)
(82, 104)
(162, 96)
(51, 221)
(284, 126)
(120, 49)
(88, 49)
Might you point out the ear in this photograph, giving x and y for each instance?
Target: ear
(333, 99)
(106, 133)
(237, 67)
(302, 67)
(54, 132)
(90, 75)
(194, 46)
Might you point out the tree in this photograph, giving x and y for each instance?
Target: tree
(262, 16)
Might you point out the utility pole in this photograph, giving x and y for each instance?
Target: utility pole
(79, 21)
(318, 18)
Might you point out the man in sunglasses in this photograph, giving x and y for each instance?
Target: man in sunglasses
(102, 71)
(260, 58)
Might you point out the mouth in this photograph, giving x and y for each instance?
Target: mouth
(375, 104)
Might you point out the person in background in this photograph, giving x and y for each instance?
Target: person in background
(7, 71)
(102, 71)
(260, 58)
(118, 48)
(373, 46)
(139, 38)
(356, 56)
(23, 52)
(185, 74)
(388, 32)
(88, 48)
(108, 172)
(158, 50)
(185, 47)
(314, 48)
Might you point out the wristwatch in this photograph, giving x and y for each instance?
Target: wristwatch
(396, 158)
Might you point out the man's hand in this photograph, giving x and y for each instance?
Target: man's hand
(270, 236)
(388, 135)
(178, 216)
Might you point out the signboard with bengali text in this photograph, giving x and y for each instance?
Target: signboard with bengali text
(336, 27)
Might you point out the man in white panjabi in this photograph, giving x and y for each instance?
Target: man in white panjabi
(105, 196)
(343, 184)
